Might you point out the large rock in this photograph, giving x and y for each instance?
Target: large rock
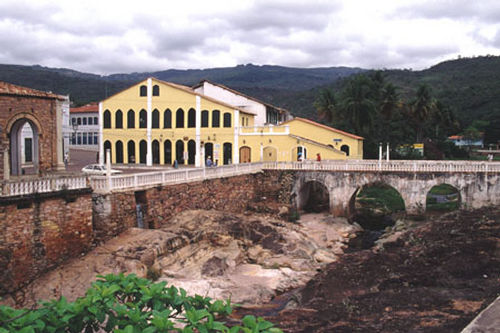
(246, 257)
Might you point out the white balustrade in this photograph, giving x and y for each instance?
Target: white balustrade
(150, 179)
(42, 185)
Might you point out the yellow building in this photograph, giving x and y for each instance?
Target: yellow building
(157, 122)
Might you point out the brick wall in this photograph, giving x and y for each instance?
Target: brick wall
(264, 193)
(43, 110)
(39, 232)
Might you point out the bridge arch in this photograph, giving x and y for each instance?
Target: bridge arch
(313, 197)
(372, 205)
(442, 197)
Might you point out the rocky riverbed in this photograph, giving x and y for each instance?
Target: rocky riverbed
(434, 277)
(249, 258)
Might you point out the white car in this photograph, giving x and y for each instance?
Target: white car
(98, 169)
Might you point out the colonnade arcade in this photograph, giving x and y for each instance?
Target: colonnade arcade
(165, 152)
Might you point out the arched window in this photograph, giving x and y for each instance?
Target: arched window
(167, 119)
(215, 118)
(156, 90)
(131, 152)
(143, 119)
(345, 149)
(191, 151)
(143, 91)
(179, 151)
(209, 151)
(107, 145)
(131, 119)
(191, 118)
(143, 149)
(155, 119)
(228, 152)
(119, 152)
(107, 119)
(179, 119)
(156, 151)
(167, 151)
(204, 118)
(227, 119)
(119, 119)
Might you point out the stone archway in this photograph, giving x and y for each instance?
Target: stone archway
(442, 197)
(16, 153)
(374, 204)
(313, 197)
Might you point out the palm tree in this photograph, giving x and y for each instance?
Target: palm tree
(421, 108)
(358, 107)
(443, 119)
(325, 105)
(389, 101)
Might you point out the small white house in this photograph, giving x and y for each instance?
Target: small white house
(460, 141)
(266, 114)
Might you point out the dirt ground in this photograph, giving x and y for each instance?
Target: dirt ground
(434, 278)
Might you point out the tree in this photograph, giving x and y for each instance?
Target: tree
(389, 101)
(357, 105)
(420, 109)
(325, 106)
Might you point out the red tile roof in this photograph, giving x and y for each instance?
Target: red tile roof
(91, 107)
(12, 89)
(325, 127)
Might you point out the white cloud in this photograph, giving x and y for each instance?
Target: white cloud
(124, 36)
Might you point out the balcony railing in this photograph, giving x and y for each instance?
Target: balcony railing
(265, 130)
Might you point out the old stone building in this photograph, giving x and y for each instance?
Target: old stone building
(42, 111)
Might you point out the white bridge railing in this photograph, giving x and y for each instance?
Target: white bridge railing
(42, 185)
(168, 177)
(388, 166)
(149, 179)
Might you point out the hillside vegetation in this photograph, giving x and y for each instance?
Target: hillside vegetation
(468, 86)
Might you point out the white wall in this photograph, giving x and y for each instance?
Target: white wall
(239, 101)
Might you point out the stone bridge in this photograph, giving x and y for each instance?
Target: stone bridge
(477, 189)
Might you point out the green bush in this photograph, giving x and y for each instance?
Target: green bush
(294, 216)
(128, 304)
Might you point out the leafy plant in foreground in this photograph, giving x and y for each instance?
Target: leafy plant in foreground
(129, 304)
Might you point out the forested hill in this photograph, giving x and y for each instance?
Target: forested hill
(84, 87)
(469, 85)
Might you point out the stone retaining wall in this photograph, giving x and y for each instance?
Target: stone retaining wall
(265, 192)
(40, 231)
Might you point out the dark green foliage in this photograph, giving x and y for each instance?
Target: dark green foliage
(369, 106)
(381, 196)
(294, 216)
(123, 304)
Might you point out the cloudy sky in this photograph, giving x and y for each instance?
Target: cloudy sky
(122, 36)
